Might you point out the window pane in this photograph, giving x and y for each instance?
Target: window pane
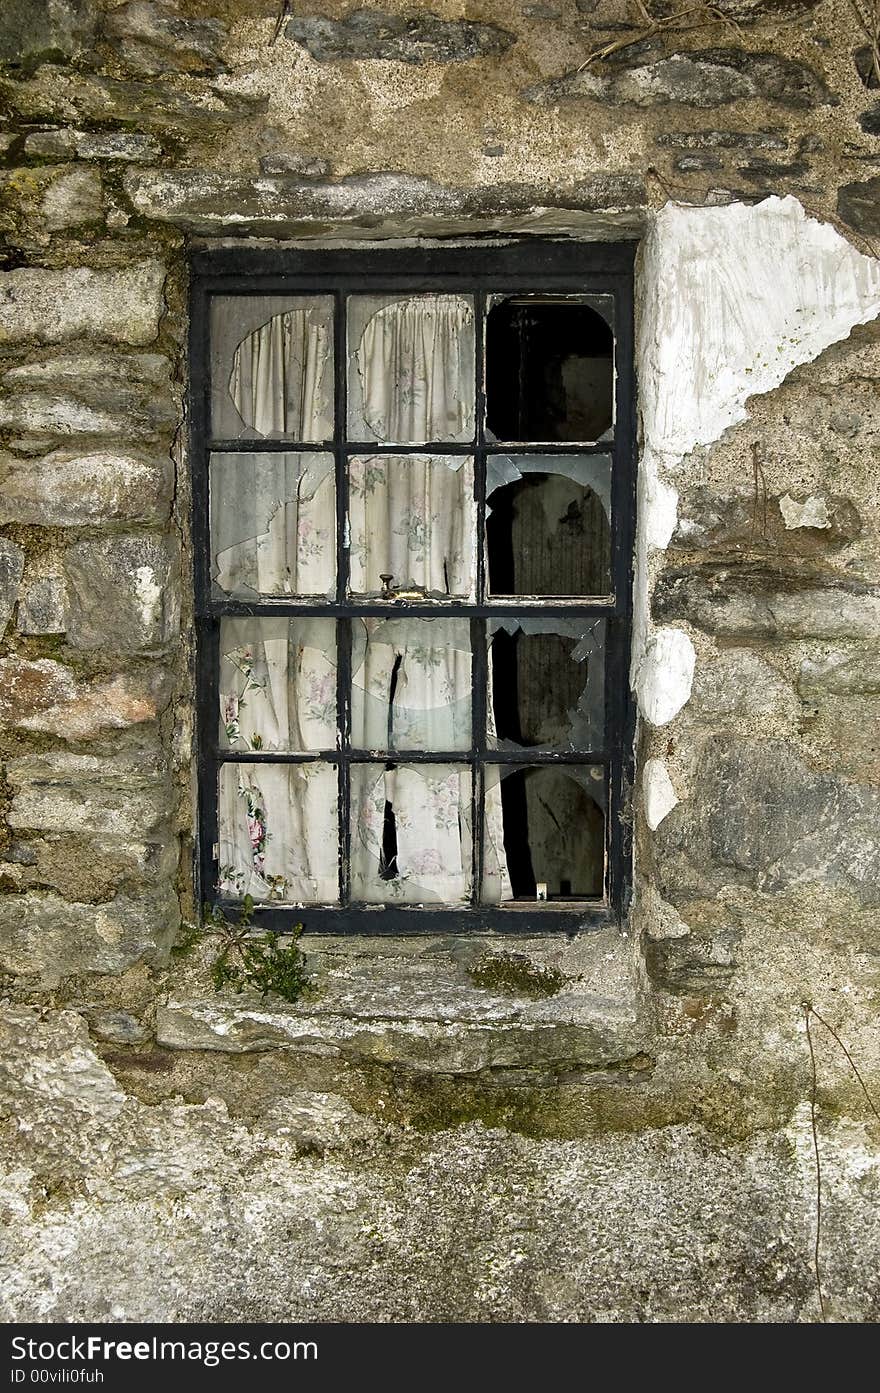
(549, 369)
(546, 684)
(411, 684)
(548, 524)
(272, 367)
(278, 684)
(412, 518)
(278, 832)
(410, 833)
(544, 826)
(411, 368)
(273, 524)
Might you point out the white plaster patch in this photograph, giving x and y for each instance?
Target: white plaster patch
(740, 295)
(731, 299)
(149, 593)
(659, 794)
(812, 513)
(665, 675)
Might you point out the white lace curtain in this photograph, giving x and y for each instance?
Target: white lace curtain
(273, 525)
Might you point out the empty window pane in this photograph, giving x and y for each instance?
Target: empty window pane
(549, 370)
(547, 524)
(272, 367)
(410, 833)
(411, 684)
(278, 832)
(278, 684)
(546, 684)
(273, 524)
(411, 368)
(545, 833)
(412, 518)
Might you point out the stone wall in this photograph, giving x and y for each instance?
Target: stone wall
(618, 1127)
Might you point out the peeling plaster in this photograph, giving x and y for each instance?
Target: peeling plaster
(665, 676)
(659, 793)
(732, 299)
(812, 513)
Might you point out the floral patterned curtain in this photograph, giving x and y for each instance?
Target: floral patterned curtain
(411, 516)
(282, 377)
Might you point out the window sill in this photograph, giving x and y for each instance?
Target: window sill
(417, 1002)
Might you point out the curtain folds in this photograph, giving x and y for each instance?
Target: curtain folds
(282, 377)
(273, 519)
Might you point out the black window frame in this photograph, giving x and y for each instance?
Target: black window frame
(563, 268)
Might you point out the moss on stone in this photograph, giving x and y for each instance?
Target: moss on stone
(514, 974)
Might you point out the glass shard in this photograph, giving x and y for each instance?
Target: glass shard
(547, 525)
(411, 368)
(273, 524)
(544, 825)
(412, 517)
(278, 684)
(546, 684)
(410, 834)
(549, 369)
(272, 367)
(278, 832)
(411, 684)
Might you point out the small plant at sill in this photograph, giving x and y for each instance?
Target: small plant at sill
(243, 959)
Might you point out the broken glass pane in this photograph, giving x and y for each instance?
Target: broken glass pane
(549, 369)
(546, 684)
(411, 368)
(412, 518)
(272, 367)
(273, 524)
(278, 684)
(411, 684)
(547, 524)
(278, 832)
(544, 833)
(410, 833)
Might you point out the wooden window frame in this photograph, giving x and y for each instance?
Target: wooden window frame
(558, 268)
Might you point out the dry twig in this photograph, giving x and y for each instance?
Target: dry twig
(681, 21)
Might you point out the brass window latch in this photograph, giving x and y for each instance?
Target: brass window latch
(393, 592)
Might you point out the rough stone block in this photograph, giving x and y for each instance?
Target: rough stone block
(124, 797)
(749, 602)
(64, 96)
(71, 489)
(44, 935)
(853, 672)
(422, 38)
(50, 145)
(117, 306)
(90, 869)
(126, 397)
(74, 199)
(123, 593)
(30, 34)
(737, 683)
(42, 608)
(11, 572)
(859, 205)
(758, 815)
(700, 78)
(152, 37)
(46, 696)
(129, 146)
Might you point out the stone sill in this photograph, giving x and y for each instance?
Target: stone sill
(413, 1002)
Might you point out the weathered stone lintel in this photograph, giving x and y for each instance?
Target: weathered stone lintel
(385, 205)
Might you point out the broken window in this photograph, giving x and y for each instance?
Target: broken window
(412, 630)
